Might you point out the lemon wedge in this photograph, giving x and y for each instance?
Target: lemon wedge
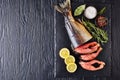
(71, 67)
(69, 59)
(64, 53)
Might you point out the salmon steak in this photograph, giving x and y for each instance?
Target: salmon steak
(93, 65)
(87, 48)
(91, 56)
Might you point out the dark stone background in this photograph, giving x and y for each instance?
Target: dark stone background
(27, 40)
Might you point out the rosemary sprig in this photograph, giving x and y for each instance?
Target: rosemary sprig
(100, 35)
(102, 11)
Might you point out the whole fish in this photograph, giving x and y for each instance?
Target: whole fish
(77, 32)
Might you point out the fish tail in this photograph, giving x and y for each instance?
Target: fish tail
(64, 7)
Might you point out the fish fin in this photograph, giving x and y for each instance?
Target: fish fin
(64, 7)
(72, 47)
(59, 9)
(65, 4)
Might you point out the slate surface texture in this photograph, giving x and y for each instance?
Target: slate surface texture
(27, 40)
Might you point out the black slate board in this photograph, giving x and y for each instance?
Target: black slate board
(61, 40)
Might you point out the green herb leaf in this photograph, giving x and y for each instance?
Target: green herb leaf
(78, 11)
(102, 11)
(98, 34)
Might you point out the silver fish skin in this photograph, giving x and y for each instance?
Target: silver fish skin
(75, 40)
(77, 32)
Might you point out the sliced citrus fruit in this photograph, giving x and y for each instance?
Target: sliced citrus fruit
(69, 59)
(64, 53)
(71, 67)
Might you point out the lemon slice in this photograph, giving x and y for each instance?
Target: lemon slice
(71, 67)
(64, 53)
(69, 59)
